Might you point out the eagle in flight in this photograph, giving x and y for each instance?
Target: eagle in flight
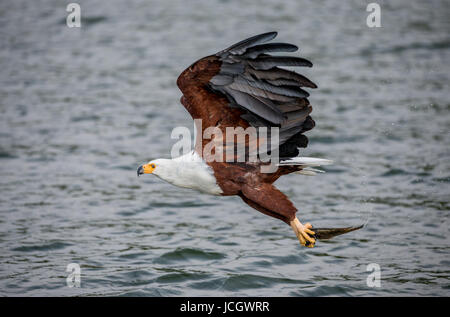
(240, 87)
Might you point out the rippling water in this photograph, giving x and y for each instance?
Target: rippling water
(80, 109)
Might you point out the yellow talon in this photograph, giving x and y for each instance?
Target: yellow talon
(303, 233)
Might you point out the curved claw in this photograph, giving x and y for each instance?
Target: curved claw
(307, 235)
(304, 233)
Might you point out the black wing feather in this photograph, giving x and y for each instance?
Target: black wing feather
(240, 47)
(257, 50)
(252, 80)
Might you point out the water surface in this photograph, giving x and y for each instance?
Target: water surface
(80, 109)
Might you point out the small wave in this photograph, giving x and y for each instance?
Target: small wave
(187, 254)
(42, 247)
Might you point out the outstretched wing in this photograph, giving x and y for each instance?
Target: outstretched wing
(243, 85)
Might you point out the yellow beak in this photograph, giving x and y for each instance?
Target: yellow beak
(145, 169)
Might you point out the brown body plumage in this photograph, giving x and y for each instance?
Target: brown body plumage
(242, 179)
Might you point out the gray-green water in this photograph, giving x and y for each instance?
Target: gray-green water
(80, 109)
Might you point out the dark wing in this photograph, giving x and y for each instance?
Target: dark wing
(253, 81)
(244, 86)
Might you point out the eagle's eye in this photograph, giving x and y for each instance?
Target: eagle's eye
(152, 165)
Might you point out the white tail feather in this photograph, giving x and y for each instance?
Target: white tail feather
(306, 161)
(306, 172)
(309, 171)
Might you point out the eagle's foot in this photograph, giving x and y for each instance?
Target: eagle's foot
(303, 233)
